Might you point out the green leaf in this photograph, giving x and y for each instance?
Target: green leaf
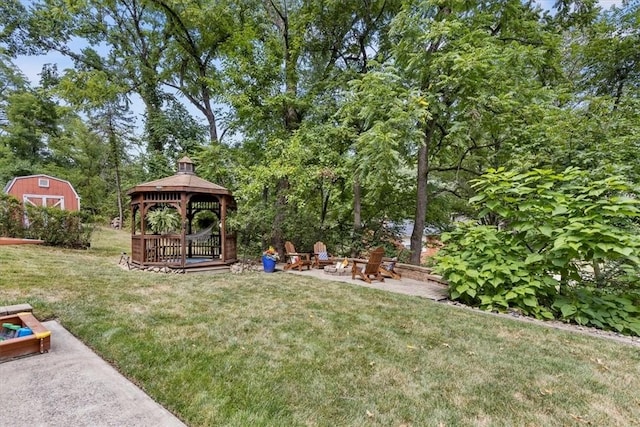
(496, 281)
(618, 326)
(485, 299)
(568, 310)
(626, 251)
(559, 210)
(454, 278)
(546, 230)
(532, 258)
(478, 198)
(546, 314)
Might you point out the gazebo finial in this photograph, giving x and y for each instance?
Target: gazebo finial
(186, 166)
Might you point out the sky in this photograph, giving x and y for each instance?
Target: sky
(31, 66)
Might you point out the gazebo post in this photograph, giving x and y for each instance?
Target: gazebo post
(223, 228)
(183, 222)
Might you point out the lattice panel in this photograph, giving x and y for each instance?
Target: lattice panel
(212, 206)
(162, 197)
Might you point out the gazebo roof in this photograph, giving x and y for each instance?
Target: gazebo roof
(182, 181)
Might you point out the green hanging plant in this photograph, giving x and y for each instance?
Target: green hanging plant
(163, 221)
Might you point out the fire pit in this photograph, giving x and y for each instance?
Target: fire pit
(332, 270)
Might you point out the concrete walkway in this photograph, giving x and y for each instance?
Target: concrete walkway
(71, 386)
(430, 290)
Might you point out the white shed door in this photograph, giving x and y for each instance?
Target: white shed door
(44, 201)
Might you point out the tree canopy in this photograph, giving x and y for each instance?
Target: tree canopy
(329, 120)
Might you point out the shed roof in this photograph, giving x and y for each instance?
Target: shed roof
(11, 183)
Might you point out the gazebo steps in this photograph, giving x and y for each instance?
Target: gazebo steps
(208, 269)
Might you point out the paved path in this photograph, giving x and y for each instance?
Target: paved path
(71, 386)
(431, 290)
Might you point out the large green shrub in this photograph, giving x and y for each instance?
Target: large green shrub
(485, 267)
(58, 227)
(10, 217)
(552, 235)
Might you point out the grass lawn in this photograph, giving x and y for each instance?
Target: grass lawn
(280, 349)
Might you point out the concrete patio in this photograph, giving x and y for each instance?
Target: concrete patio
(431, 290)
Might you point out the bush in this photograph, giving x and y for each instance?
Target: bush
(601, 308)
(485, 267)
(555, 236)
(10, 217)
(58, 228)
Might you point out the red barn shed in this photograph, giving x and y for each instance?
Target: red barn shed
(44, 190)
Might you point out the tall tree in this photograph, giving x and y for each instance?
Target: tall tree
(32, 119)
(468, 63)
(284, 80)
(595, 127)
(197, 37)
(131, 31)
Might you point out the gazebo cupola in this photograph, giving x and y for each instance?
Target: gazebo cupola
(186, 166)
(195, 209)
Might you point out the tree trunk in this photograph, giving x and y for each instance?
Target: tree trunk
(277, 232)
(357, 215)
(422, 199)
(115, 154)
(357, 205)
(119, 195)
(211, 121)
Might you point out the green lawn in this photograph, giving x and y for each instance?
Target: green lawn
(281, 349)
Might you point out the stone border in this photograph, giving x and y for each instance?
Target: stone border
(416, 272)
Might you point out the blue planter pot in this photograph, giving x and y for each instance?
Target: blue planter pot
(268, 264)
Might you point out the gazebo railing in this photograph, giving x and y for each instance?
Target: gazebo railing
(209, 247)
(163, 249)
(230, 247)
(167, 249)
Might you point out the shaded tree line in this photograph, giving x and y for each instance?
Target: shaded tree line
(329, 120)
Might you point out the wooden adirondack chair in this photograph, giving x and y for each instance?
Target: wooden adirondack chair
(295, 259)
(321, 257)
(371, 270)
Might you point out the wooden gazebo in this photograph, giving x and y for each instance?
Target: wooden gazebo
(193, 246)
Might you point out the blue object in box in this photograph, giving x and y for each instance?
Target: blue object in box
(23, 332)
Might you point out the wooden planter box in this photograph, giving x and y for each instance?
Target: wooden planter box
(39, 342)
